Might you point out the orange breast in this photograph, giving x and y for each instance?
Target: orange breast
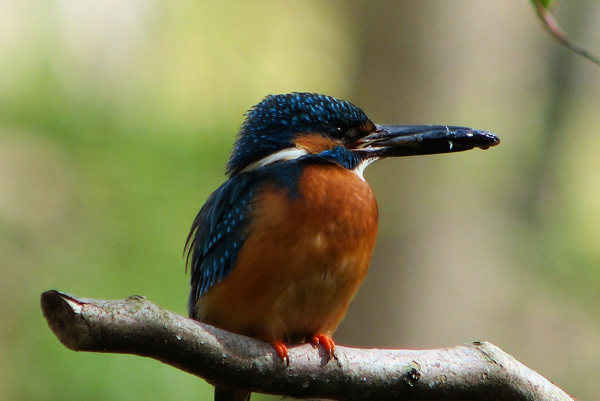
(303, 261)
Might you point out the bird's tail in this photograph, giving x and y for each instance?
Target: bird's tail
(225, 394)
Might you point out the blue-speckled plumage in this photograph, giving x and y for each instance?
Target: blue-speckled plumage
(217, 234)
(271, 124)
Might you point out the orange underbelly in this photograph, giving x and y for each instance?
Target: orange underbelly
(303, 260)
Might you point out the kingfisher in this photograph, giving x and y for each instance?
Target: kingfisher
(279, 250)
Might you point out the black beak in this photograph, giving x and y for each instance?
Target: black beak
(410, 140)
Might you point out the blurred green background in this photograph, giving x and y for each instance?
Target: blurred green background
(116, 120)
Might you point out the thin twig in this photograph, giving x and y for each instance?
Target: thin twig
(552, 27)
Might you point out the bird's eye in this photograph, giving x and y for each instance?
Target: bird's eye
(337, 133)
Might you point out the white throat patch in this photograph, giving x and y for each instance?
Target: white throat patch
(358, 170)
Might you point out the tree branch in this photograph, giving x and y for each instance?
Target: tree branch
(476, 371)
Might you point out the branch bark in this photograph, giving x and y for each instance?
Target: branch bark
(476, 371)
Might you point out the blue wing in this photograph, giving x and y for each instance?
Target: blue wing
(217, 234)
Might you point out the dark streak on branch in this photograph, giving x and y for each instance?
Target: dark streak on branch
(476, 371)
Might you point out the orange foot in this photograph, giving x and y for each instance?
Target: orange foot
(282, 350)
(326, 342)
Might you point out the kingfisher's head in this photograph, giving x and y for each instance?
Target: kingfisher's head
(290, 126)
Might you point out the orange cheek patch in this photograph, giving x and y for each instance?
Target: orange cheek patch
(367, 127)
(314, 143)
